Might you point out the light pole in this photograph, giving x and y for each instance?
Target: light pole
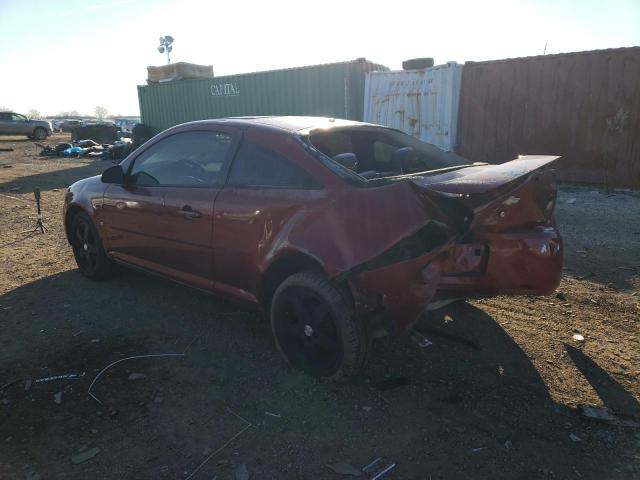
(166, 43)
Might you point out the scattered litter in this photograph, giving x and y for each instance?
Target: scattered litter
(366, 408)
(122, 360)
(479, 449)
(84, 456)
(27, 384)
(57, 398)
(420, 340)
(344, 468)
(4, 402)
(384, 471)
(578, 338)
(369, 466)
(603, 414)
(32, 476)
(67, 376)
(575, 438)
(95, 340)
(204, 462)
(242, 473)
(508, 445)
(276, 415)
(448, 318)
(571, 200)
(137, 376)
(113, 413)
(575, 470)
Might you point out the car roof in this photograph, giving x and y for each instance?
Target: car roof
(287, 123)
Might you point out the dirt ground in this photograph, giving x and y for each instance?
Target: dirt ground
(494, 397)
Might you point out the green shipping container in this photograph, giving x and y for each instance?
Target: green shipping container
(329, 90)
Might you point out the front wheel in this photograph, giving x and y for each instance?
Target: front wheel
(40, 133)
(314, 328)
(87, 247)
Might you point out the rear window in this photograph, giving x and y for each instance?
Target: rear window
(383, 152)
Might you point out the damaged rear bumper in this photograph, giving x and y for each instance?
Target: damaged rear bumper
(519, 262)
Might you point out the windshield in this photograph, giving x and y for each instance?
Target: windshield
(377, 152)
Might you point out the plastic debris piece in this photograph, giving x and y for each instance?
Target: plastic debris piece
(137, 376)
(242, 473)
(84, 456)
(420, 340)
(57, 398)
(276, 415)
(575, 438)
(578, 338)
(603, 414)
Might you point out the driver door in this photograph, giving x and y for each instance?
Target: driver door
(17, 124)
(161, 218)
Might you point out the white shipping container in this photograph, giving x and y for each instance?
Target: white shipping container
(422, 103)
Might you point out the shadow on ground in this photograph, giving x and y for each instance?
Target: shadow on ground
(470, 406)
(55, 179)
(612, 394)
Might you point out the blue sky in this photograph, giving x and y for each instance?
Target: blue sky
(61, 55)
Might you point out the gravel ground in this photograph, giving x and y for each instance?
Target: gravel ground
(495, 396)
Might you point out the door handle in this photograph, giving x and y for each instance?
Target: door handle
(188, 213)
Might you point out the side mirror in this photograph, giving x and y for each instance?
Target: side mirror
(114, 175)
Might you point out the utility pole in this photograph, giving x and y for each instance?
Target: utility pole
(166, 43)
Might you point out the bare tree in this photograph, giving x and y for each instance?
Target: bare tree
(101, 112)
(33, 113)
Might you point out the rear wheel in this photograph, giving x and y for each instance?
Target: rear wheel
(314, 328)
(40, 133)
(87, 247)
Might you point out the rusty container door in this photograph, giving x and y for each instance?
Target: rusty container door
(422, 103)
(584, 106)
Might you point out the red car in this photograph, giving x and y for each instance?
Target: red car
(340, 230)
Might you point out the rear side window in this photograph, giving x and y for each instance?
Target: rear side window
(189, 159)
(255, 166)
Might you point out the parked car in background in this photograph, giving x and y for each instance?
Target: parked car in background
(340, 230)
(16, 124)
(67, 126)
(56, 125)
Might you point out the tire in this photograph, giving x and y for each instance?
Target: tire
(314, 328)
(90, 256)
(40, 133)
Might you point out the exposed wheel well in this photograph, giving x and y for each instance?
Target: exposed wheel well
(283, 268)
(68, 219)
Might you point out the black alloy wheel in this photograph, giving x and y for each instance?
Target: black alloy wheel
(314, 328)
(87, 248)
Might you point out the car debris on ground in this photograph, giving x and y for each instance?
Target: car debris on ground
(85, 455)
(603, 414)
